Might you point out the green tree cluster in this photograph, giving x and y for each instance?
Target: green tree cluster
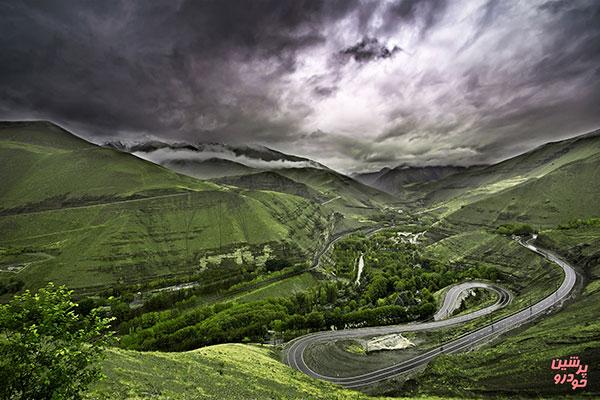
(47, 349)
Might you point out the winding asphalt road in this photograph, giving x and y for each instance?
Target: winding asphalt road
(294, 356)
(454, 297)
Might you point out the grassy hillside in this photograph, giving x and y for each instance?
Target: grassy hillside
(358, 203)
(42, 163)
(284, 288)
(90, 217)
(332, 184)
(395, 180)
(568, 192)
(125, 243)
(270, 180)
(231, 371)
(454, 191)
(574, 330)
(208, 169)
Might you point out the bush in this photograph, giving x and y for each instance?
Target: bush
(515, 229)
(47, 349)
(275, 264)
(12, 285)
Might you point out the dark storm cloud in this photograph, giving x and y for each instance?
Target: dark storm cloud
(369, 49)
(134, 67)
(456, 82)
(425, 13)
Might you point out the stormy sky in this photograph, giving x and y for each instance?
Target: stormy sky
(356, 85)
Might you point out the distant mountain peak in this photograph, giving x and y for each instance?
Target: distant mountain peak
(392, 180)
(193, 158)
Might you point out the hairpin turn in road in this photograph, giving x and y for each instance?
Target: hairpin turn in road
(294, 352)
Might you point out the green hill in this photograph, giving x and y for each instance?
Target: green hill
(270, 180)
(568, 192)
(223, 372)
(395, 180)
(454, 191)
(352, 194)
(41, 162)
(208, 169)
(355, 202)
(90, 217)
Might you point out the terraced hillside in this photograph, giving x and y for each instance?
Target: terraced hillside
(89, 217)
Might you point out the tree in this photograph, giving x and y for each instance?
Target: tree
(13, 285)
(315, 320)
(426, 309)
(331, 293)
(277, 325)
(276, 264)
(377, 288)
(47, 349)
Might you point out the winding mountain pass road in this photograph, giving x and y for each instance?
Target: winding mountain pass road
(455, 296)
(294, 352)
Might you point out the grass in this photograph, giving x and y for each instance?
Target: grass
(230, 371)
(284, 288)
(356, 200)
(95, 217)
(575, 330)
(462, 189)
(483, 298)
(527, 353)
(563, 194)
(121, 243)
(355, 348)
(41, 162)
(524, 273)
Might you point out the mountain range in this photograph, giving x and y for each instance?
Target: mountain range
(212, 160)
(393, 180)
(137, 219)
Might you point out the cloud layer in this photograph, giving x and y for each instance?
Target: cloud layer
(353, 84)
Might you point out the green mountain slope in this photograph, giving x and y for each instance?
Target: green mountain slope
(42, 161)
(559, 196)
(331, 184)
(394, 180)
(90, 217)
(456, 190)
(208, 169)
(223, 372)
(270, 180)
(355, 203)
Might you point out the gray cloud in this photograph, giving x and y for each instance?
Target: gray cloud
(369, 49)
(423, 13)
(454, 82)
